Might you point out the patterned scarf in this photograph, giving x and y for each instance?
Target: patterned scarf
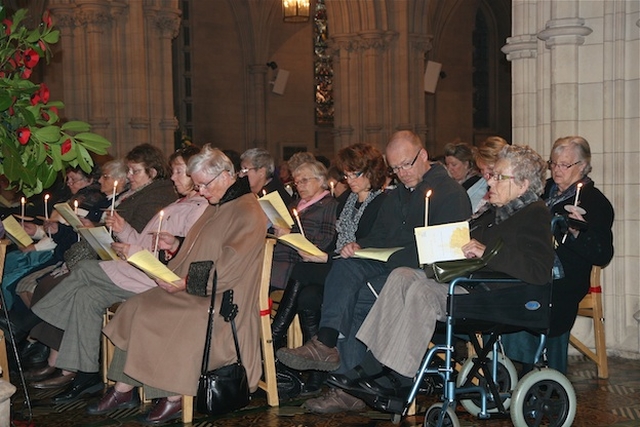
(555, 196)
(505, 211)
(347, 224)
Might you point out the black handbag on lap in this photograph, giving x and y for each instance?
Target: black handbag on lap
(223, 389)
(446, 271)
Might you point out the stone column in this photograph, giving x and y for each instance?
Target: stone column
(257, 106)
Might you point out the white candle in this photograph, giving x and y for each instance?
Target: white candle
(426, 208)
(332, 185)
(75, 207)
(23, 201)
(295, 213)
(155, 247)
(575, 202)
(46, 209)
(113, 200)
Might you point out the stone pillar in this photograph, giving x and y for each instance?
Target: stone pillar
(257, 106)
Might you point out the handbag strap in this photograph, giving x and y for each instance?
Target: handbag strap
(207, 344)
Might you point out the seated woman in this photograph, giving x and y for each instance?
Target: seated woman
(74, 308)
(578, 248)
(461, 167)
(159, 335)
(400, 325)
(317, 213)
(365, 172)
(258, 165)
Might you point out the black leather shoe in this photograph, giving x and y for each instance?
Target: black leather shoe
(82, 384)
(397, 387)
(39, 374)
(34, 354)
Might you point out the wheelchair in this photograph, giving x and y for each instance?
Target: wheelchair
(487, 383)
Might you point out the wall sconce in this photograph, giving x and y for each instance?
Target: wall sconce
(295, 10)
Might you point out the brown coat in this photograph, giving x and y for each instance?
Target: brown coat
(164, 333)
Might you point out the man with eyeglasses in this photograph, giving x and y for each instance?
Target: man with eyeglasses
(347, 296)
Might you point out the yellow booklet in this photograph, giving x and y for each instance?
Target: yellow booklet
(145, 261)
(275, 209)
(69, 215)
(377, 254)
(442, 242)
(100, 240)
(15, 232)
(299, 242)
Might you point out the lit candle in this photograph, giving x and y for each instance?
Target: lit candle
(575, 202)
(264, 192)
(75, 206)
(46, 209)
(113, 200)
(23, 201)
(295, 213)
(426, 208)
(332, 185)
(155, 247)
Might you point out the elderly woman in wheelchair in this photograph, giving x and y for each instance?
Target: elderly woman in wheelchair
(400, 325)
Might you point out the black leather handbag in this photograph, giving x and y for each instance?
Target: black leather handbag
(446, 271)
(223, 389)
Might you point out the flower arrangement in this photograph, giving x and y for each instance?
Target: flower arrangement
(34, 145)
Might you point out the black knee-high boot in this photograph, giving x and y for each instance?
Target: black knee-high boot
(285, 314)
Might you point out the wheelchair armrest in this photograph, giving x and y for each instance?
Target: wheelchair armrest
(490, 275)
(481, 280)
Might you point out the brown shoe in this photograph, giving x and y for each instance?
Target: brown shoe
(165, 410)
(335, 400)
(57, 381)
(39, 374)
(313, 355)
(113, 399)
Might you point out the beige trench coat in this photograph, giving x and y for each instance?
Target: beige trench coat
(164, 333)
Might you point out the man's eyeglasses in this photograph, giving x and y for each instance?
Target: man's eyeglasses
(353, 175)
(303, 181)
(73, 181)
(198, 187)
(498, 176)
(562, 166)
(407, 165)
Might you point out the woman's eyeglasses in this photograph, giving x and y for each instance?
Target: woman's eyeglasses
(303, 181)
(561, 166)
(352, 175)
(498, 176)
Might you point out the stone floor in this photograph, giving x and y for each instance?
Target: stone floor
(612, 402)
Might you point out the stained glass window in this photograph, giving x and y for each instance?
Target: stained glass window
(323, 67)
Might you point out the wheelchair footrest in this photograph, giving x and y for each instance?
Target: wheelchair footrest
(391, 404)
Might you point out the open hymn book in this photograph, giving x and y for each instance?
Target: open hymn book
(148, 263)
(299, 242)
(69, 215)
(15, 232)
(442, 242)
(275, 209)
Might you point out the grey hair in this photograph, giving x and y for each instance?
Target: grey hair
(210, 161)
(117, 169)
(579, 145)
(317, 170)
(260, 158)
(299, 158)
(527, 165)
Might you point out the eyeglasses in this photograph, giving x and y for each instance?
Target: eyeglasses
(562, 166)
(134, 171)
(498, 176)
(303, 181)
(407, 165)
(244, 171)
(198, 187)
(353, 175)
(72, 181)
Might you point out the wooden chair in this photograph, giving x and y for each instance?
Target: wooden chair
(591, 306)
(269, 384)
(4, 361)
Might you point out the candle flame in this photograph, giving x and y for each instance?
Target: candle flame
(295, 212)
(115, 183)
(580, 185)
(161, 214)
(428, 194)
(23, 200)
(75, 203)
(46, 197)
(264, 192)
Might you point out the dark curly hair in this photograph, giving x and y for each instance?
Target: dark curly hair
(152, 158)
(366, 158)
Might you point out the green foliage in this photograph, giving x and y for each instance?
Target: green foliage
(34, 145)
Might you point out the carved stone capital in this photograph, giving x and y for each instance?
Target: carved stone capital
(95, 17)
(374, 39)
(521, 47)
(421, 43)
(139, 122)
(64, 18)
(168, 24)
(564, 31)
(341, 42)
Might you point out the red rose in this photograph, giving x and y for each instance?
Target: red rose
(7, 26)
(23, 135)
(31, 58)
(46, 19)
(44, 93)
(26, 73)
(35, 98)
(66, 146)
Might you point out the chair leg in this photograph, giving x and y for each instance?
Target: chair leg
(600, 341)
(187, 409)
(4, 361)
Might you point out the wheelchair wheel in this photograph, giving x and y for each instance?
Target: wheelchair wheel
(544, 397)
(506, 380)
(433, 415)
